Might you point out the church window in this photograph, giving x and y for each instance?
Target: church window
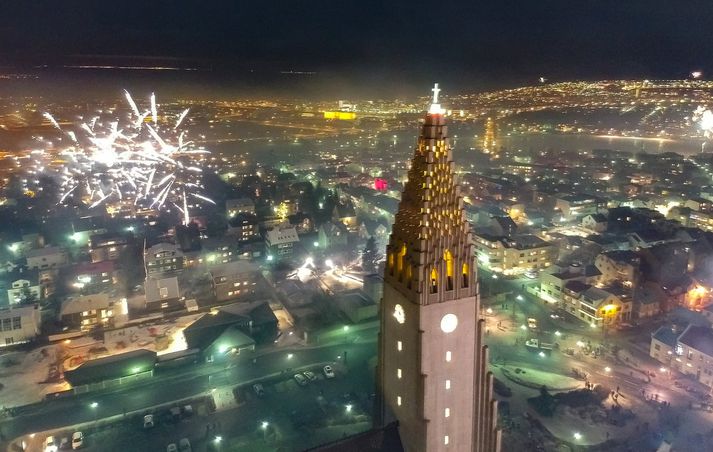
(398, 373)
(401, 260)
(448, 384)
(446, 440)
(448, 356)
(448, 257)
(464, 281)
(398, 400)
(447, 412)
(434, 281)
(399, 345)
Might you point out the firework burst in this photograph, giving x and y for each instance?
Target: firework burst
(140, 161)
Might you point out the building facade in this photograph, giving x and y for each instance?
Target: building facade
(433, 376)
(19, 325)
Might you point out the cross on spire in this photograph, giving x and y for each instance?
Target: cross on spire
(435, 90)
(435, 106)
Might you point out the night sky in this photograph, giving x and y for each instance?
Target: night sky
(452, 40)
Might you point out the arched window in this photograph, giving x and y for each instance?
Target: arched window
(448, 257)
(400, 262)
(434, 281)
(465, 276)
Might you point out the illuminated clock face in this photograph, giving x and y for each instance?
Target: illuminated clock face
(449, 322)
(399, 313)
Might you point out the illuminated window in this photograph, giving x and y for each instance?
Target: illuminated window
(399, 345)
(448, 412)
(400, 261)
(448, 356)
(448, 257)
(434, 281)
(464, 281)
(398, 400)
(448, 384)
(445, 440)
(398, 373)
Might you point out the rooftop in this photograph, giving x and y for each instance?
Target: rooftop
(699, 338)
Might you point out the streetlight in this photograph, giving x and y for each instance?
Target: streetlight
(346, 328)
(289, 356)
(94, 404)
(558, 334)
(349, 408)
(264, 425)
(577, 436)
(519, 298)
(607, 369)
(218, 439)
(542, 354)
(523, 327)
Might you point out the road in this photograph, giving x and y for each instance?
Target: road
(167, 387)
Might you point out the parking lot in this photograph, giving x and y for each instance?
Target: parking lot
(295, 412)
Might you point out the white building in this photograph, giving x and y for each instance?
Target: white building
(51, 257)
(19, 325)
(280, 240)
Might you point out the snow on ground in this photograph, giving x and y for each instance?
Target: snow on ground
(26, 377)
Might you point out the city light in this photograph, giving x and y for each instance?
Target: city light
(94, 404)
(264, 424)
(607, 369)
(577, 436)
(519, 298)
(349, 408)
(289, 356)
(558, 334)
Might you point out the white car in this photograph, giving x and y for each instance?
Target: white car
(50, 444)
(77, 440)
(300, 379)
(148, 421)
(328, 372)
(310, 375)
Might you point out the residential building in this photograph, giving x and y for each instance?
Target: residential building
(107, 246)
(578, 205)
(50, 257)
(244, 226)
(280, 241)
(19, 324)
(237, 206)
(234, 280)
(163, 258)
(162, 293)
(622, 266)
(552, 284)
(86, 312)
(514, 256)
(694, 353)
(23, 286)
(596, 222)
(93, 277)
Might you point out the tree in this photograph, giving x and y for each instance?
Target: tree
(370, 257)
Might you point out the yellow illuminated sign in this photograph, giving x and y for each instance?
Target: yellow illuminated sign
(341, 115)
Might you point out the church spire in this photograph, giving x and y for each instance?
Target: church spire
(430, 250)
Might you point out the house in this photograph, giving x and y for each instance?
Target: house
(513, 255)
(664, 341)
(577, 205)
(280, 241)
(19, 324)
(699, 204)
(107, 246)
(19, 244)
(51, 257)
(648, 238)
(234, 280)
(162, 293)
(622, 266)
(332, 234)
(694, 353)
(237, 206)
(93, 277)
(23, 286)
(163, 258)
(602, 307)
(345, 214)
(552, 284)
(86, 312)
(649, 300)
(118, 368)
(665, 263)
(244, 226)
(231, 330)
(596, 222)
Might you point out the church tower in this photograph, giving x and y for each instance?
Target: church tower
(433, 367)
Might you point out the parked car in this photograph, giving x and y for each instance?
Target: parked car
(328, 372)
(50, 444)
(310, 375)
(172, 448)
(300, 379)
(77, 440)
(259, 390)
(148, 421)
(184, 445)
